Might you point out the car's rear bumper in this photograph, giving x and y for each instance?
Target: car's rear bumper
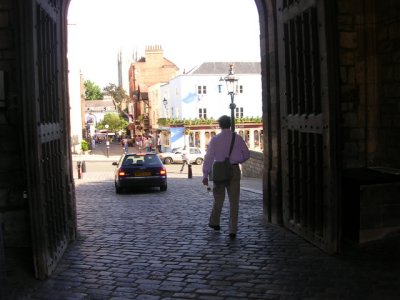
(132, 182)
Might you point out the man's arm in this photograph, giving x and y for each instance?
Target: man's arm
(208, 160)
(244, 150)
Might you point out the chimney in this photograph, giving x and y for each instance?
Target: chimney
(154, 55)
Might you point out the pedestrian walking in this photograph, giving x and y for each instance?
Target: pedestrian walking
(126, 145)
(149, 144)
(185, 158)
(159, 143)
(218, 149)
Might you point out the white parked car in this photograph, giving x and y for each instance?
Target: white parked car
(195, 155)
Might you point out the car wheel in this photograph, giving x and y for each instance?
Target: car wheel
(163, 188)
(118, 189)
(168, 160)
(199, 161)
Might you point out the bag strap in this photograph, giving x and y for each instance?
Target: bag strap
(232, 142)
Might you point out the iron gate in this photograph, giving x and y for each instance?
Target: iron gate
(309, 208)
(46, 134)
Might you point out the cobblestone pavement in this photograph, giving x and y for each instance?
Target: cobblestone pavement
(156, 245)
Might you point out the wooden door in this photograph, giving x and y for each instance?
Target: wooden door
(45, 124)
(309, 197)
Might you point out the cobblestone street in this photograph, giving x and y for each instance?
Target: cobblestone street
(156, 245)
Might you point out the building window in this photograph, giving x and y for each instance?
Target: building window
(201, 89)
(239, 112)
(202, 113)
(219, 88)
(240, 89)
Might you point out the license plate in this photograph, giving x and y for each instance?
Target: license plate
(142, 174)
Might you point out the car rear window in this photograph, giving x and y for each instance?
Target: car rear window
(145, 160)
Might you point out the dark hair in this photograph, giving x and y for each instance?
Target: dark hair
(224, 122)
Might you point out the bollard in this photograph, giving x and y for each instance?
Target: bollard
(83, 167)
(190, 171)
(79, 170)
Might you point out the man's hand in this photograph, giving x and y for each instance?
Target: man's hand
(205, 181)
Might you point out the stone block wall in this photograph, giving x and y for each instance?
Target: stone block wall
(388, 49)
(351, 25)
(14, 218)
(369, 35)
(254, 166)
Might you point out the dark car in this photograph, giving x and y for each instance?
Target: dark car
(140, 170)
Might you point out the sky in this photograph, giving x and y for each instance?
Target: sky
(189, 31)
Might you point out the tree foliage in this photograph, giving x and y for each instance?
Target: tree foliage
(119, 96)
(92, 91)
(115, 123)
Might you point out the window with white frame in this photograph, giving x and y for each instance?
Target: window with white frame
(239, 112)
(240, 89)
(201, 89)
(203, 113)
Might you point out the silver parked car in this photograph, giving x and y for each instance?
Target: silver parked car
(195, 155)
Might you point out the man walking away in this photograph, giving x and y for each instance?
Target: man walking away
(218, 150)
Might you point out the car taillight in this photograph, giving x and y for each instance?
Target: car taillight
(121, 173)
(163, 172)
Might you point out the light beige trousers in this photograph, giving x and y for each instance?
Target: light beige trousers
(233, 190)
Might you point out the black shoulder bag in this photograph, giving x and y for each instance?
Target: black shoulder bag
(222, 171)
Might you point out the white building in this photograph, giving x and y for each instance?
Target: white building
(200, 95)
(95, 110)
(74, 82)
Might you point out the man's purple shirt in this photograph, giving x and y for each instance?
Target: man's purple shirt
(218, 150)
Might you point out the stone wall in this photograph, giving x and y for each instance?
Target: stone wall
(369, 95)
(388, 85)
(14, 219)
(254, 166)
(352, 81)
(369, 34)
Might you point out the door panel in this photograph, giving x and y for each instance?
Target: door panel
(308, 207)
(45, 137)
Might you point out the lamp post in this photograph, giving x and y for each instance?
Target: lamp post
(107, 141)
(231, 84)
(165, 102)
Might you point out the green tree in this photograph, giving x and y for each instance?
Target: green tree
(119, 96)
(115, 123)
(92, 91)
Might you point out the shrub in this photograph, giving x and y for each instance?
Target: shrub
(84, 145)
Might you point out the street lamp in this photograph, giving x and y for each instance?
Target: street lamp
(231, 85)
(107, 141)
(165, 102)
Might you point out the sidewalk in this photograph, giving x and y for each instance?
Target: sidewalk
(115, 151)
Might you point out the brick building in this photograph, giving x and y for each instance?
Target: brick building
(151, 69)
(330, 81)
